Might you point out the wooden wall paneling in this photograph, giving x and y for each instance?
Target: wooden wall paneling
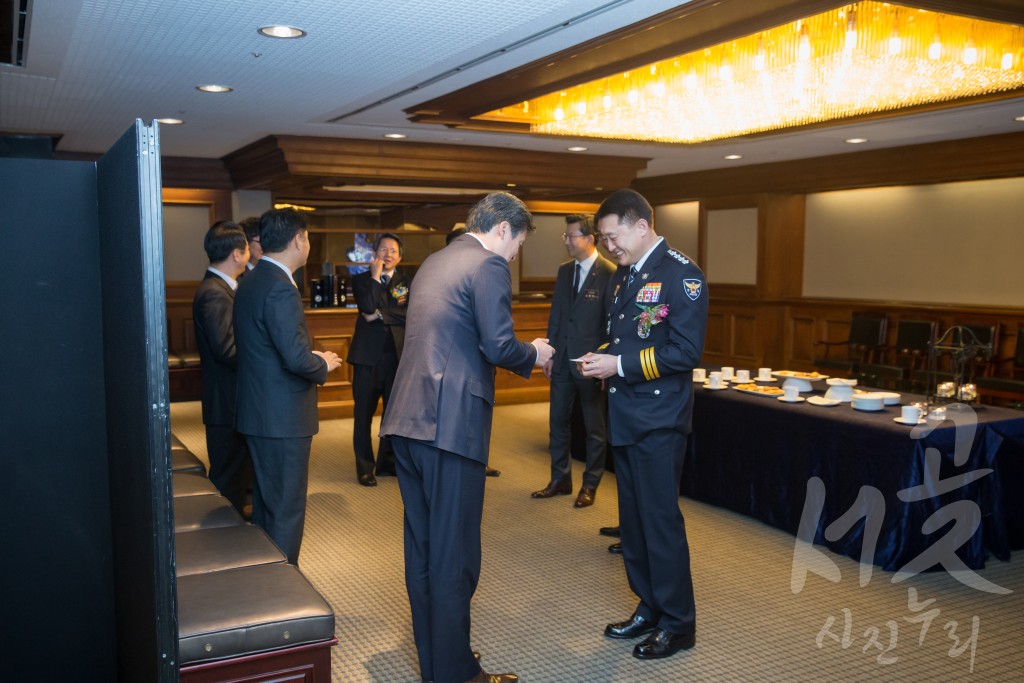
(219, 201)
(780, 246)
(715, 337)
(799, 340)
(744, 339)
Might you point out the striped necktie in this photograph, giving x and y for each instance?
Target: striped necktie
(632, 274)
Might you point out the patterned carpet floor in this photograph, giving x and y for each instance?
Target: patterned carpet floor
(549, 586)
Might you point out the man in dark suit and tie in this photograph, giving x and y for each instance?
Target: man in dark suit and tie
(459, 329)
(575, 327)
(278, 371)
(382, 296)
(656, 322)
(212, 306)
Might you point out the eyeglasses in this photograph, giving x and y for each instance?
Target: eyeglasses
(574, 235)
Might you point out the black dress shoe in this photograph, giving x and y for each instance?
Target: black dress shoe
(612, 531)
(586, 497)
(661, 644)
(491, 472)
(367, 480)
(615, 548)
(554, 488)
(634, 627)
(484, 677)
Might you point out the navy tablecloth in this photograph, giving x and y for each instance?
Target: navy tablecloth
(755, 455)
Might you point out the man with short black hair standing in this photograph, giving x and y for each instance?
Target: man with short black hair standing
(575, 326)
(278, 371)
(656, 323)
(251, 225)
(212, 308)
(459, 328)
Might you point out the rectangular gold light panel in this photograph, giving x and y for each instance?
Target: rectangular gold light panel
(863, 58)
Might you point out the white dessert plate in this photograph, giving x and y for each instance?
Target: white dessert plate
(920, 421)
(824, 402)
(798, 399)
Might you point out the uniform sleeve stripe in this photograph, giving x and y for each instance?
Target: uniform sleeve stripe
(649, 364)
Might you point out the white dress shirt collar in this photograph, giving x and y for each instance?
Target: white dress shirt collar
(281, 266)
(232, 282)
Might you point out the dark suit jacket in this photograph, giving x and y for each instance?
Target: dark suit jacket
(212, 316)
(277, 371)
(392, 300)
(459, 328)
(577, 327)
(657, 391)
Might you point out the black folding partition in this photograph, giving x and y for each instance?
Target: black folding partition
(86, 504)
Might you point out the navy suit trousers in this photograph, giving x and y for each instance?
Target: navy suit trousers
(279, 492)
(654, 545)
(443, 494)
(230, 467)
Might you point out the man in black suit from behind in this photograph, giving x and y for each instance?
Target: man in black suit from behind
(382, 296)
(576, 326)
(459, 329)
(278, 371)
(212, 306)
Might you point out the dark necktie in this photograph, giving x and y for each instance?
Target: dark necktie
(384, 279)
(632, 274)
(575, 281)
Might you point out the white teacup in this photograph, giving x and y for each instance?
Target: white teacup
(910, 414)
(715, 380)
(743, 375)
(764, 373)
(699, 374)
(727, 373)
(791, 392)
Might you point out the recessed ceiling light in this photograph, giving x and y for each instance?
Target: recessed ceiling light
(396, 136)
(577, 149)
(281, 31)
(856, 141)
(170, 122)
(510, 184)
(732, 157)
(1018, 118)
(214, 88)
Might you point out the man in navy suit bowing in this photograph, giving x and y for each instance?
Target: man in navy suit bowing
(655, 330)
(226, 247)
(278, 371)
(458, 329)
(382, 296)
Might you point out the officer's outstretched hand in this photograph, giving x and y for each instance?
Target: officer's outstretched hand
(598, 365)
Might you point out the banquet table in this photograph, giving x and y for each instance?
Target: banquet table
(756, 455)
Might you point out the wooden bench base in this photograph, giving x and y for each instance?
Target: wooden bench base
(309, 663)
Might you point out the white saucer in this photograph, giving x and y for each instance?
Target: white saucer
(770, 379)
(798, 399)
(920, 421)
(825, 402)
(711, 388)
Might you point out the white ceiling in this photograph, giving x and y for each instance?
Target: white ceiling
(93, 66)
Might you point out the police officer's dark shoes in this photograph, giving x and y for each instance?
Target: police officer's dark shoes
(634, 627)
(554, 488)
(367, 480)
(661, 644)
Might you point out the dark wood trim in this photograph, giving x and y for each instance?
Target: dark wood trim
(992, 156)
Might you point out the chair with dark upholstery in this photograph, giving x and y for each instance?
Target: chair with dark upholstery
(864, 343)
(908, 358)
(1009, 384)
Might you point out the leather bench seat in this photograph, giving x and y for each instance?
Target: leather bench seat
(204, 512)
(191, 484)
(229, 547)
(242, 611)
(185, 461)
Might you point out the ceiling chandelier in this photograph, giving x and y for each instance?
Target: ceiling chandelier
(860, 59)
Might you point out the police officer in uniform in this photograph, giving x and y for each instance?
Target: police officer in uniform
(657, 315)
